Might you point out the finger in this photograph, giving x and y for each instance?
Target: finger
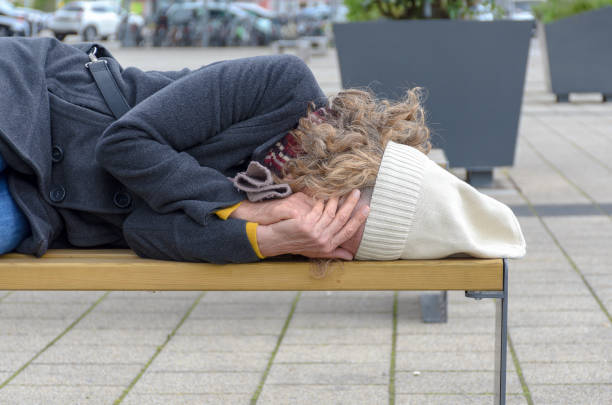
(343, 215)
(329, 213)
(343, 254)
(338, 253)
(352, 226)
(316, 212)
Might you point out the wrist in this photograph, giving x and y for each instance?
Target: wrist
(268, 246)
(243, 211)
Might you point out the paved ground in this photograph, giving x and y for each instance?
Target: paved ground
(305, 348)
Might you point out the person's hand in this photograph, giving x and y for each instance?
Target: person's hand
(318, 233)
(272, 211)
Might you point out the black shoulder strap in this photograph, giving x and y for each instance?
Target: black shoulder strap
(104, 79)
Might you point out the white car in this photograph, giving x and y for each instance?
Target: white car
(89, 19)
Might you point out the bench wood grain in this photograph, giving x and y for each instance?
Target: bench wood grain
(123, 270)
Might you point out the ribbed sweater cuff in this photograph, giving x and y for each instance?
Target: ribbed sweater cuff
(394, 202)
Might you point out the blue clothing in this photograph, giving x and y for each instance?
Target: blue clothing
(13, 225)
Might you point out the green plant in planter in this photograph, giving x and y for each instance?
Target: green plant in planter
(362, 10)
(552, 10)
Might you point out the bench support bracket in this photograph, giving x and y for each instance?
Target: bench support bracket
(434, 307)
(501, 334)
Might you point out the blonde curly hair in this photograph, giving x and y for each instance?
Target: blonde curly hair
(344, 151)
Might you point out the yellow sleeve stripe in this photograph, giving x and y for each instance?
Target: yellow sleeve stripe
(251, 230)
(224, 213)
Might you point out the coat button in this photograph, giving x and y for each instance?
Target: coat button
(122, 199)
(57, 194)
(57, 154)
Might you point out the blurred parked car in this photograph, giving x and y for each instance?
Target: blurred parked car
(36, 19)
(10, 26)
(12, 21)
(90, 19)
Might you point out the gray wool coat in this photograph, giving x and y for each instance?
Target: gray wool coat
(152, 179)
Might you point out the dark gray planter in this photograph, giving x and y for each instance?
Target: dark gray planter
(579, 53)
(473, 73)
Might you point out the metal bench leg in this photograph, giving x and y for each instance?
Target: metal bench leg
(501, 334)
(434, 307)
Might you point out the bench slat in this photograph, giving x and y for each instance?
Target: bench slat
(122, 270)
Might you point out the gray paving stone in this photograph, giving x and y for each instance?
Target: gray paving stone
(34, 326)
(568, 318)
(185, 399)
(77, 374)
(338, 336)
(463, 382)
(96, 354)
(343, 304)
(114, 336)
(549, 334)
(574, 394)
(537, 273)
(445, 343)
(330, 353)
(601, 280)
(567, 373)
(359, 295)
(174, 295)
(24, 342)
(329, 373)
(240, 311)
(169, 360)
(604, 292)
(456, 325)
(342, 320)
(561, 352)
(245, 297)
(11, 361)
(417, 399)
(323, 394)
(140, 304)
(521, 289)
(129, 320)
(25, 310)
(558, 303)
(447, 361)
(484, 308)
(55, 297)
(198, 383)
(231, 327)
(223, 343)
(58, 395)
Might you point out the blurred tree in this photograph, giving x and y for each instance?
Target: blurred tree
(552, 10)
(360, 10)
(44, 5)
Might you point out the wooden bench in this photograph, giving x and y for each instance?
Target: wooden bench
(123, 270)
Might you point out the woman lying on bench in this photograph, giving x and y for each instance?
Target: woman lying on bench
(163, 179)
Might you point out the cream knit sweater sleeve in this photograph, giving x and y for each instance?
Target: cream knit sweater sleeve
(421, 211)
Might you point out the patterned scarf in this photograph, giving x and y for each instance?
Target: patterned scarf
(288, 148)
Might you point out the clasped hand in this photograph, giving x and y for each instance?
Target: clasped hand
(302, 225)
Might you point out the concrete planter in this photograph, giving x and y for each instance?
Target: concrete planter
(473, 73)
(579, 54)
